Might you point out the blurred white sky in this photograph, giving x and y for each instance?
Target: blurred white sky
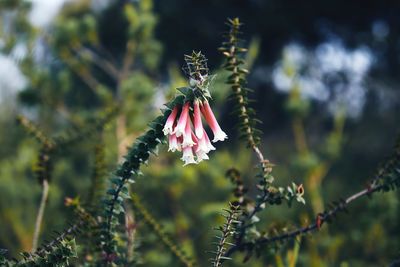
(44, 11)
(329, 61)
(11, 80)
(329, 57)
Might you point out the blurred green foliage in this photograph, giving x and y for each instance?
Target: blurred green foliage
(98, 60)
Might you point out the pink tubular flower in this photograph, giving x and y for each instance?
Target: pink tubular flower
(168, 128)
(198, 126)
(187, 137)
(195, 144)
(200, 153)
(195, 139)
(219, 135)
(202, 145)
(208, 143)
(187, 156)
(174, 145)
(183, 118)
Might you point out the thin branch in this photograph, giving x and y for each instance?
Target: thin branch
(34, 130)
(131, 227)
(126, 65)
(137, 155)
(241, 93)
(85, 76)
(40, 215)
(321, 219)
(226, 232)
(100, 62)
(258, 206)
(332, 212)
(157, 229)
(71, 230)
(121, 133)
(246, 125)
(128, 59)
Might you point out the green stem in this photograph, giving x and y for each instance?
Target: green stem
(40, 215)
(393, 163)
(157, 229)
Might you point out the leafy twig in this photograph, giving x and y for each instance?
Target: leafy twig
(392, 180)
(246, 123)
(237, 81)
(226, 232)
(73, 229)
(97, 179)
(99, 61)
(157, 229)
(240, 190)
(329, 214)
(33, 130)
(138, 154)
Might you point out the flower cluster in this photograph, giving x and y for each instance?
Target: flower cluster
(186, 114)
(181, 134)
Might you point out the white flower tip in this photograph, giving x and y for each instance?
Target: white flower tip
(211, 147)
(167, 129)
(187, 156)
(201, 156)
(205, 146)
(188, 160)
(201, 147)
(174, 143)
(174, 148)
(220, 136)
(188, 141)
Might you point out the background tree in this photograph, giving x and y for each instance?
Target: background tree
(95, 76)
